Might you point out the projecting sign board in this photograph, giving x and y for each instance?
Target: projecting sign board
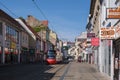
(113, 13)
(107, 33)
(95, 41)
(90, 35)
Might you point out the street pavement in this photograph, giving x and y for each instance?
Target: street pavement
(25, 72)
(36, 71)
(84, 71)
(79, 71)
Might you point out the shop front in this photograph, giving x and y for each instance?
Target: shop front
(116, 47)
(24, 56)
(117, 60)
(31, 55)
(11, 53)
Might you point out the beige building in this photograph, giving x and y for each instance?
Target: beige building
(95, 14)
(53, 38)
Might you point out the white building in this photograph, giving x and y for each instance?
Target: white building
(104, 53)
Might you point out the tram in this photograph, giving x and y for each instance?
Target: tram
(51, 57)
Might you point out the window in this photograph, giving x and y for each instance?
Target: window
(98, 7)
(96, 13)
(1, 28)
(17, 33)
(109, 24)
(101, 1)
(103, 23)
(117, 1)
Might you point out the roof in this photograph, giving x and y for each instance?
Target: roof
(26, 28)
(92, 6)
(45, 22)
(9, 18)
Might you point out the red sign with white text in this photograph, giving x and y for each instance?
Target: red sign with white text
(95, 41)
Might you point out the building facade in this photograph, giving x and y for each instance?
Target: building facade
(107, 53)
(10, 39)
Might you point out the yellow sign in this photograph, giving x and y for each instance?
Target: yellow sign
(13, 45)
(107, 33)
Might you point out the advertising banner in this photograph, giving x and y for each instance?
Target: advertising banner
(13, 45)
(107, 33)
(95, 41)
(113, 13)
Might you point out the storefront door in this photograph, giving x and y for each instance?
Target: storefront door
(116, 62)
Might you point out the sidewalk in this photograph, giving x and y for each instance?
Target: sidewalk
(99, 73)
(86, 71)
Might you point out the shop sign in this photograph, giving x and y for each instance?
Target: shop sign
(95, 41)
(13, 45)
(113, 13)
(117, 31)
(90, 35)
(107, 33)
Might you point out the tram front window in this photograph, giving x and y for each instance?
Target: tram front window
(51, 54)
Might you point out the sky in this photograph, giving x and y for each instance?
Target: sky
(68, 18)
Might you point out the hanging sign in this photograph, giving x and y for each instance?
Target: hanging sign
(113, 13)
(95, 41)
(13, 45)
(107, 33)
(90, 35)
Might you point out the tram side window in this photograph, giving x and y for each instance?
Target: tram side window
(1, 28)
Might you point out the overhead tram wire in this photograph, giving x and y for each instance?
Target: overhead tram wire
(41, 12)
(39, 9)
(44, 15)
(8, 9)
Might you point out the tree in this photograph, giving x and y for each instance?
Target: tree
(39, 28)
